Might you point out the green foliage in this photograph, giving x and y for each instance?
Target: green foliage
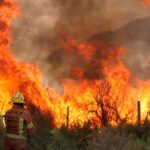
(125, 137)
(40, 139)
(76, 136)
(113, 139)
(142, 132)
(61, 139)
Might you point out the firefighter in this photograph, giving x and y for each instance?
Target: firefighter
(19, 125)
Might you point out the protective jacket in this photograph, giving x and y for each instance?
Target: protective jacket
(19, 127)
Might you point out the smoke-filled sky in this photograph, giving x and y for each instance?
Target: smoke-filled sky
(36, 31)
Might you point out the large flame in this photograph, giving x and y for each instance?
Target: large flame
(110, 95)
(16, 76)
(102, 94)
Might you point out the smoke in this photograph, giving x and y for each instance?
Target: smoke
(135, 38)
(37, 30)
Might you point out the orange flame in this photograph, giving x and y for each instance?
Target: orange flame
(147, 2)
(107, 96)
(16, 76)
(114, 93)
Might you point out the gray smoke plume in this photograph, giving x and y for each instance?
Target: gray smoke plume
(135, 37)
(36, 32)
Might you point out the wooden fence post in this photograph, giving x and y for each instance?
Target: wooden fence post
(67, 118)
(139, 112)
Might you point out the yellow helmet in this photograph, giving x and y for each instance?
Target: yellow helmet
(18, 98)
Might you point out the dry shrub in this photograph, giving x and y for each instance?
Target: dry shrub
(108, 139)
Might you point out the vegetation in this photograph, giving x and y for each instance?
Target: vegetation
(126, 137)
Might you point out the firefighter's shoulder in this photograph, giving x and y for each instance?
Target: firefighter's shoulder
(27, 114)
(8, 112)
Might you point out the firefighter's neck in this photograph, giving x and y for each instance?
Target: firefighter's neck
(19, 105)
